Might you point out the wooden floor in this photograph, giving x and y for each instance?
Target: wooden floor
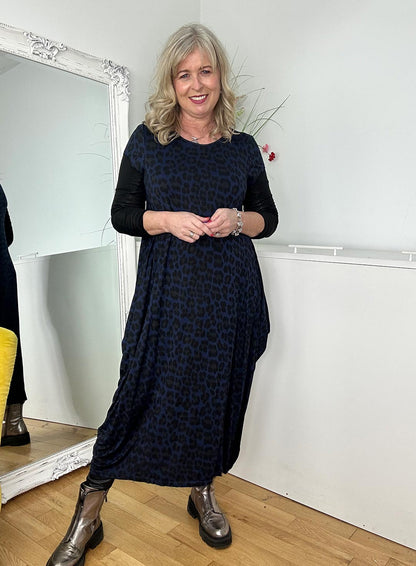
(46, 438)
(147, 525)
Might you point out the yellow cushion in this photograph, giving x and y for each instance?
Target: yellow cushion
(8, 346)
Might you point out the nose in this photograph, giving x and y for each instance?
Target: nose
(196, 82)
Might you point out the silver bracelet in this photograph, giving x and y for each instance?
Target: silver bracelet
(237, 231)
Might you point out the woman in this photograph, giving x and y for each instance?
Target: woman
(14, 431)
(198, 320)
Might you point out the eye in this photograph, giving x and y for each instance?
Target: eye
(206, 71)
(183, 76)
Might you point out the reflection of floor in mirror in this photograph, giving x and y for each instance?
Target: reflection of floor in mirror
(47, 438)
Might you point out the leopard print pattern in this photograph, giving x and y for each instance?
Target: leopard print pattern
(197, 324)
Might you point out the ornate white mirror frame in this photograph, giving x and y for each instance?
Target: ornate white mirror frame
(55, 54)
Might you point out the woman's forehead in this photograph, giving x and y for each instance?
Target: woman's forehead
(199, 56)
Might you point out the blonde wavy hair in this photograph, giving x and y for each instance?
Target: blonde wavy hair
(162, 116)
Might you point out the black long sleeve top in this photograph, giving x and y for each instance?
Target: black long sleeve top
(129, 204)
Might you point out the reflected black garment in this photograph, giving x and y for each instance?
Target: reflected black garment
(9, 313)
(198, 320)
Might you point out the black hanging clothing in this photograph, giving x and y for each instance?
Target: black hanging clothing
(9, 313)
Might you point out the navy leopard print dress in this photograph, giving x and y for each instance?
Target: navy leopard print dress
(197, 325)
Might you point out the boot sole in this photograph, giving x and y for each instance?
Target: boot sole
(16, 440)
(94, 541)
(219, 543)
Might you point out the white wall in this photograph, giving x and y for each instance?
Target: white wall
(331, 421)
(346, 171)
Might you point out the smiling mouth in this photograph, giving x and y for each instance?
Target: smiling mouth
(198, 99)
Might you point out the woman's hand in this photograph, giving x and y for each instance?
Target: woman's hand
(187, 226)
(223, 222)
(190, 227)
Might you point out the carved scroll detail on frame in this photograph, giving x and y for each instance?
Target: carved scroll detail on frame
(119, 76)
(43, 47)
(67, 464)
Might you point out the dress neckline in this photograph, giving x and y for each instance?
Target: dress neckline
(200, 144)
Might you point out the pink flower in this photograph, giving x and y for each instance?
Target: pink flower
(271, 154)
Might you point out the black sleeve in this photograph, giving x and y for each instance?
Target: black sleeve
(259, 199)
(129, 201)
(8, 229)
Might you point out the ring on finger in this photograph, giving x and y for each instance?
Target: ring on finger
(192, 234)
(218, 233)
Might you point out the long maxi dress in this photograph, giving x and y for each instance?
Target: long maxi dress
(198, 320)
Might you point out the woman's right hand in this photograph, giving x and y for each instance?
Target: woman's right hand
(186, 226)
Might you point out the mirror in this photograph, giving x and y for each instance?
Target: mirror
(64, 127)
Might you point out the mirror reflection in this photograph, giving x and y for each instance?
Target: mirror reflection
(56, 172)
(55, 152)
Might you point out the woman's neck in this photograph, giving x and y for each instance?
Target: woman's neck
(196, 130)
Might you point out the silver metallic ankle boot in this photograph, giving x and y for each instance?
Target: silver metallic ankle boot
(85, 530)
(214, 527)
(14, 431)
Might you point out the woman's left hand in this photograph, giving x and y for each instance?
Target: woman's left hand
(222, 222)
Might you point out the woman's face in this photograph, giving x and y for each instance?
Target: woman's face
(197, 86)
